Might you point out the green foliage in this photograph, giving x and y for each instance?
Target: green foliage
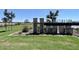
(52, 16)
(4, 20)
(8, 17)
(25, 29)
(18, 23)
(26, 21)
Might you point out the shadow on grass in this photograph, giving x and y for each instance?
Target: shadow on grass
(2, 31)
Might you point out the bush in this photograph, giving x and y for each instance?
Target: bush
(18, 23)
(25, 29)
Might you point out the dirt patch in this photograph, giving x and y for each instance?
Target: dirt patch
(20, 33)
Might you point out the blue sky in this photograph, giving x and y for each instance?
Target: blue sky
(22, 14)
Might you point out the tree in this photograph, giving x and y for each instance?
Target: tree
(5, 20)
(52, 15)
(5, 12)
(69, 20)
(8, 17)
(26, 21)
(12, 15)
(56, 13)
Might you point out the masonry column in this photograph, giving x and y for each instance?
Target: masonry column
(41, 25)
(35, 25)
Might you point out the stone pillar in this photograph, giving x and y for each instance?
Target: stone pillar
(41, 25)
(35, 25)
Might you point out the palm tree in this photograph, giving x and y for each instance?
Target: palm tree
(56, 13)
(53, 15)
(5, 12)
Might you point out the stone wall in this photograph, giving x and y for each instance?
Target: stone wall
(61, 29)
(68, 30)
(50, 29)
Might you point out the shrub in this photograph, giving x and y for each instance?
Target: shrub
(25, 29)
(18, 23)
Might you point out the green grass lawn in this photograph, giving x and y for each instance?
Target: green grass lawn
(36, 42)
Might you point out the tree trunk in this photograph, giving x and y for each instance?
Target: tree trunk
(11, 24)
(5, 26)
